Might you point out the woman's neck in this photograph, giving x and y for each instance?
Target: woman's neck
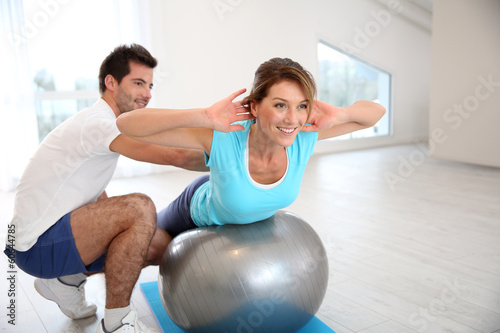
(261, 147)
(267, 161)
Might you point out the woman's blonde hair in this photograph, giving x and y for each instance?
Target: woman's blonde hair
(281, 69)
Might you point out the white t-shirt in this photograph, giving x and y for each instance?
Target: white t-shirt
(70, 169)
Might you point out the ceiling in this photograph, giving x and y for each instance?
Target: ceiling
(417, 12)
(424, 4)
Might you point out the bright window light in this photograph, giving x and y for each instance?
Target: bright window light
(66, 51)
(344, 79)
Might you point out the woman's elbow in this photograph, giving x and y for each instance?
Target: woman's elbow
(377, 112)
(381, 110)
(123, 123)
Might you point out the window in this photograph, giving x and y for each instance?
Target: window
(53, 50)
(67, 42)
(344, 79)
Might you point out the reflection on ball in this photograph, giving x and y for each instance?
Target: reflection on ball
(268, 276)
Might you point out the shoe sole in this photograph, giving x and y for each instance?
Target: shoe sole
(49, 295)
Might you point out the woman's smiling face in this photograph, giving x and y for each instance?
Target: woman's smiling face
(282, 113)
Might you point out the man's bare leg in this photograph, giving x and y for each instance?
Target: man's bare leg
(159, 244)
(122, 227)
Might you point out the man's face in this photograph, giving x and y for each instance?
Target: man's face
(134, 91)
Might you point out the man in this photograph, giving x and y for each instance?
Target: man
(66, 226)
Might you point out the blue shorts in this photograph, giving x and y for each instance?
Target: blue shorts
(54, 254)
(176, 218)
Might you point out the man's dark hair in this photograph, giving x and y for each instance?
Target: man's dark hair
(117, 63)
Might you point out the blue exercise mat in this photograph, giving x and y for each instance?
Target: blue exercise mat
(150, 290)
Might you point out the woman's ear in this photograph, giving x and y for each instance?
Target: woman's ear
(253, 108)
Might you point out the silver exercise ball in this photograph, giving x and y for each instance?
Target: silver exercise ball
(268, 276)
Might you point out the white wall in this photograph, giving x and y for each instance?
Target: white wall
(465, 85)
(208, 49)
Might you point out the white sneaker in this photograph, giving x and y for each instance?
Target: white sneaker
(130, 324)
(71, 299)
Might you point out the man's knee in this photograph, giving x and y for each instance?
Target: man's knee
(141, 209)
(142, 201)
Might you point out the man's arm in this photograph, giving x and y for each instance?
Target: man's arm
(189, 159)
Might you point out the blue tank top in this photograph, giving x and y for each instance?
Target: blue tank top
(231, 196)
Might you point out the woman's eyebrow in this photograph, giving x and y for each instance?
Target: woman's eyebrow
(285, 100)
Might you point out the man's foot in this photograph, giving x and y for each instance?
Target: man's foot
(130, 324)
(71, 299)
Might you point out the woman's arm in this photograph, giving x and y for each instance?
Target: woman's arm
(331, 121)
(191, 128)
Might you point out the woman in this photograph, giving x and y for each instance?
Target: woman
(257, 149)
